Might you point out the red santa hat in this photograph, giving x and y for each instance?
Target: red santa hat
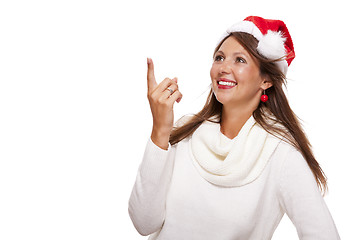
(274, 38)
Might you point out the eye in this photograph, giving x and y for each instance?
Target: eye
(218, 58)
(241, 60)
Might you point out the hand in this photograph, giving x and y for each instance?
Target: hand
(161, 101)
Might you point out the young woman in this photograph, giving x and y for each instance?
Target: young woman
(231, 171)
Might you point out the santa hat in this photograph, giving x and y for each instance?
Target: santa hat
(273, 36)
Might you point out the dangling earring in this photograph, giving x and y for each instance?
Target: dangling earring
(264, 97)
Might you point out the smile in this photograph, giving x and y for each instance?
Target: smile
(226, 84)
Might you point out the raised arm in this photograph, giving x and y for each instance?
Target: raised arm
(148, 197)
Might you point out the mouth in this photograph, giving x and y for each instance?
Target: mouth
(225, 83)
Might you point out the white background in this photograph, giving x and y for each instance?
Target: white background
(74, 117)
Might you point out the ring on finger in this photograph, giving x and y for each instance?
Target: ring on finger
(170, 90)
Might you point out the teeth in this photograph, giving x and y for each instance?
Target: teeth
(227, 83)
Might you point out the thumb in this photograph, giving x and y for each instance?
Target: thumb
(151, 82)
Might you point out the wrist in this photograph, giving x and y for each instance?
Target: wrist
(160, 137)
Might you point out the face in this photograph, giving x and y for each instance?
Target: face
(235, 75)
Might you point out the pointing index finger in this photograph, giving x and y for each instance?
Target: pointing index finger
(151, 82)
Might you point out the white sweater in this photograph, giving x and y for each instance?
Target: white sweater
(171, 200)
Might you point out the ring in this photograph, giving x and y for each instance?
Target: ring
(171, 91)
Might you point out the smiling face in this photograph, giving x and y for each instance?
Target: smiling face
(235, 75)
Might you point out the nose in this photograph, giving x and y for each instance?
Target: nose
(225, 67)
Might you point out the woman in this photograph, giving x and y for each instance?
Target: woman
(232, 170)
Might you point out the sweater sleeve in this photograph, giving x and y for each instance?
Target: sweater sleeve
(148, 196)
(302, 201)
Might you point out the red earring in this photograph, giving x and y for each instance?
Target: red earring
(264, 97)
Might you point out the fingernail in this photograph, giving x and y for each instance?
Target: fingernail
(175, 79)
(148, 60)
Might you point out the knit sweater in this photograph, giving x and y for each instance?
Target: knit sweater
(172, 200)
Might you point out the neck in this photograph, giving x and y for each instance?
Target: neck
(233, 119)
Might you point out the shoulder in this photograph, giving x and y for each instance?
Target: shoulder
(293, 158)
(289, 158)
(283, 151)
(294, 173)
(289, 162)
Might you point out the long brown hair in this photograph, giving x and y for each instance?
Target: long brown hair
(277, 104)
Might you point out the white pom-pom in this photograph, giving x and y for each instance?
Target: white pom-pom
(272, 45)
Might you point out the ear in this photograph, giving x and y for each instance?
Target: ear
(266, 83)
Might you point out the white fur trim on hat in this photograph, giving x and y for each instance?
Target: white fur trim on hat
(246, 26)
(243, 26)
(272, 45)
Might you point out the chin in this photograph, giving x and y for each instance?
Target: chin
(223, 98)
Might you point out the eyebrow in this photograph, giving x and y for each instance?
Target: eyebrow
(235, 53)
(241, 53)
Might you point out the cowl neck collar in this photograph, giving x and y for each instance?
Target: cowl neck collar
(231, 162)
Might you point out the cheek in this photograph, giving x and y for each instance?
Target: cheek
(241, 73)
(213, 72)
(246, 76)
